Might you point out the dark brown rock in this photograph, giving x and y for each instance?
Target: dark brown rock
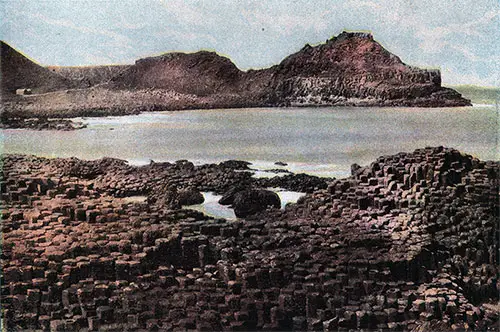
(252, 201)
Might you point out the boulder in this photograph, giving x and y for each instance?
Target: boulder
(190, 196)
(174, 198)
(354, 169)
(228, 197)
(252, 201)
(295, 182)
(235, 164)
(169, 197)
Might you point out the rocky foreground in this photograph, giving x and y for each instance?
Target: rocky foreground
(409, 242)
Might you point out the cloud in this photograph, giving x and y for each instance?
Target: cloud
(185, 36)
(186, 13)
(118, 39)
(285, 23)
(434, 39)
(124, 24)
(473, 57)
(453, 76)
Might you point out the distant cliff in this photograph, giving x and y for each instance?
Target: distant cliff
(87, 76)
(349, 69)
(18, 72)
(353, 68)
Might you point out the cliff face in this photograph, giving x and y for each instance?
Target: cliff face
(353, 68)
(349, 69)
(17, 72)
(87, 76)
(201, 73)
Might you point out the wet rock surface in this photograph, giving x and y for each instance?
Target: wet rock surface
(40, 124)
(409, 242)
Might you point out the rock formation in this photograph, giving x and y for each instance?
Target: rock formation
(87, 76)
(349, 69)
(19, 72)
(201, 73)
(409, 242)
(251, 201)
(41, 123)
(353, 68)
(190, 196)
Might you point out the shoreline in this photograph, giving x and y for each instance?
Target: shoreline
(103, 101)
(351, 69)
(396, 245)
(42, 124)
(58, 119)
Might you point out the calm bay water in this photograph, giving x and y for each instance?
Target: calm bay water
(211, 206)
(321, 141)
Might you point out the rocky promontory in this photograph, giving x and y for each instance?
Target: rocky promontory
(353, 69)
(409, 242)
(40, 123)
(349, 69)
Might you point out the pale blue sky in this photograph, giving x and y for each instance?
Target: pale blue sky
(458, 36)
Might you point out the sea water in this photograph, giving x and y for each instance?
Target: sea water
(212, 208)
(319, 141)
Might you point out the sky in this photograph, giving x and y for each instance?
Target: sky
(460, 37)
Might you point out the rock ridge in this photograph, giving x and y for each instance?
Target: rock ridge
(350, 69)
